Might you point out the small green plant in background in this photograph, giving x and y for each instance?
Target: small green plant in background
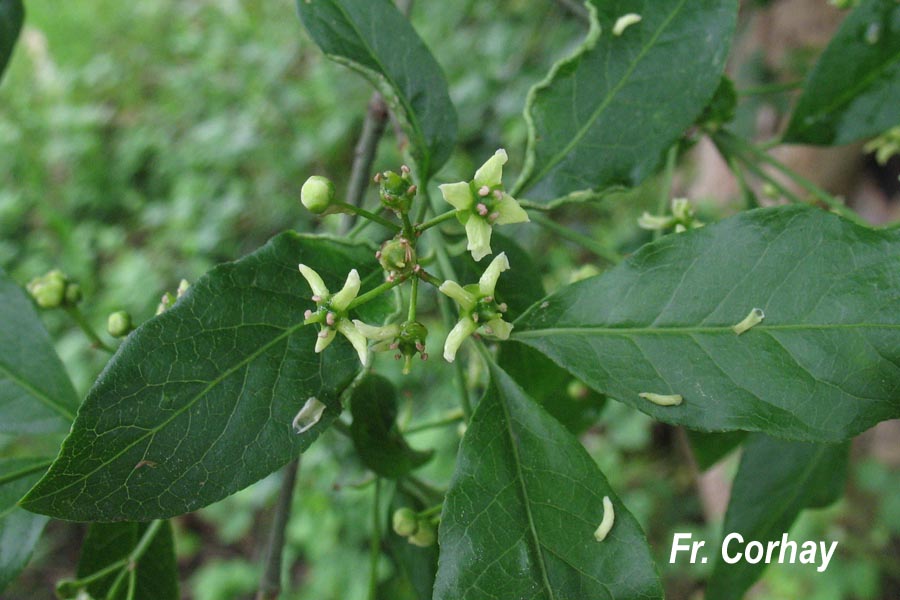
(774, 330)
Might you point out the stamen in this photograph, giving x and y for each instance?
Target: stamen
(404, 169)
(484, 191)
(316, 298)
(482, 209)
(329, 318)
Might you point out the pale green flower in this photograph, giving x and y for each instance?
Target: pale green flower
(478, 307)
(482, 203)
(682, 218)
(331, 312)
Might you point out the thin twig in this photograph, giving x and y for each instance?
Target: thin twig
(270, 585)
(364, 155)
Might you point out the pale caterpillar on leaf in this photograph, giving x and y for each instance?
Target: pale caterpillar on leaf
(624, 22)
(754, 318)
(606, 523)
(662, 399)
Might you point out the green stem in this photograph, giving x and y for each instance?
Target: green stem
(375, 292)
(361, 212)
(749, 152)
(130, 563)
(436, 220)
(409, 232)
(770, 88)
(665, 190)
(459, 374)
(413, 299)
(576, 238)
(82, 322)
(435, 424)
(749, 197)
(132, 585)
(429, 278)
(375, 542)
(430, 512)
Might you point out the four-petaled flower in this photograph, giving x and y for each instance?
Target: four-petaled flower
(331, 311)
(482, 203)
(477, 308)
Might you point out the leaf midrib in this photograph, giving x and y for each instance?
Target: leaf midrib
(526, 500)
(851, 91)
(555, 160)
(592, 329)
(188, 405)
(40, 395)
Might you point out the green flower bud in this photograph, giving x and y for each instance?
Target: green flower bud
(405, 522)
(48, 291)
(397, 256)
(119, 324)
(425, 536)
(73, 294)
(317, 194)
(396, 191)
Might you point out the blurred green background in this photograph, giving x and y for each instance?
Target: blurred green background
(145, 142)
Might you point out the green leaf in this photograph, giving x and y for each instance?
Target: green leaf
(198, 402)
(12, 13)
(36, 394)
(604, 116)
(710, 448)
(565, 398)
(374, 431)
(823, 365)
(374, 38)
(156, 572)
(19, 530)
(776, 480)
(523, 505)
(852, 91)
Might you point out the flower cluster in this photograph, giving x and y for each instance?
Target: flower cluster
(482, 203)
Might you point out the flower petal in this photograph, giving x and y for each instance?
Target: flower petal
(463, 329)
(500, 329)
(455, 291)
(315, 282)
(326, 336)
(357, 339)
(343, 298)
(491, 172)
(509, 211)
(478, 232)
(459, 195)
(388, 332)
(488, 280)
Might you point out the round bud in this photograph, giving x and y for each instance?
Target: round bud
(317, 194)
(48, 291)
(396, 191)
(119, 324)
(73, 294)
(425, 536)
(405, 522)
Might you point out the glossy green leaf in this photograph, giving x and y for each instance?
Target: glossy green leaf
(604, 116)
(568, 400)
(199, 402)
(823, 365)
(776, 480)
(36, 394)
(852, 91)
(374, 38)
(12, 13)
(19, 530)
(523, 505)
(710, 448)
(156, 573)
(374, 431)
